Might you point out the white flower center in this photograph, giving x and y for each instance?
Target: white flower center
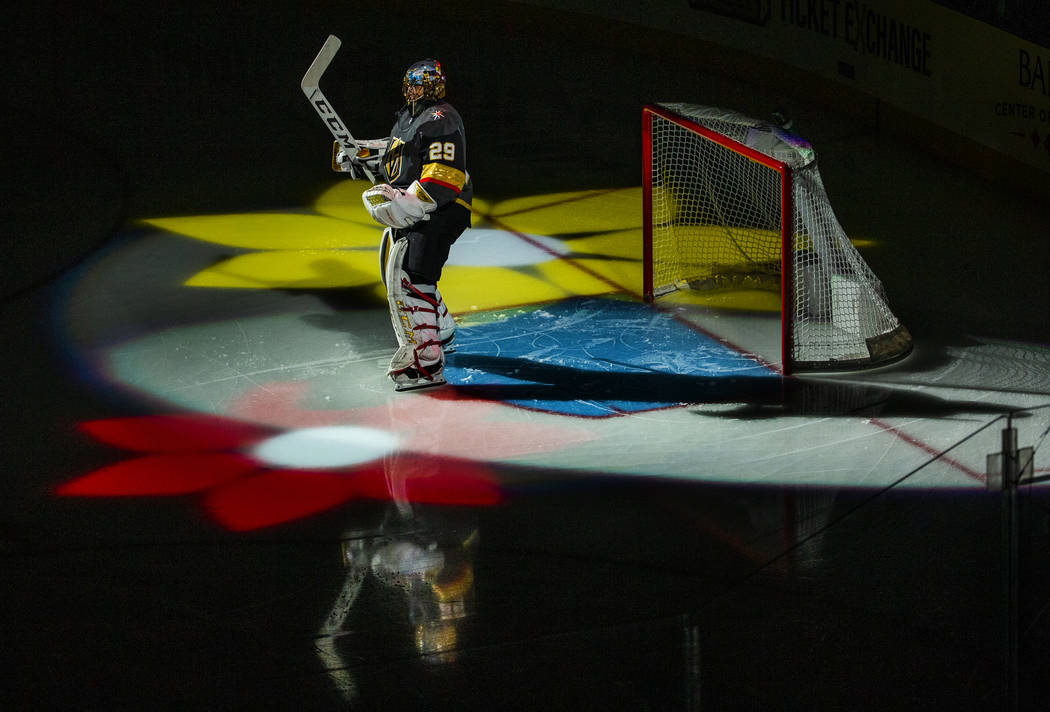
(326, 447)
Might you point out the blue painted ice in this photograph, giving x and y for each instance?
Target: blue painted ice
(599, 357)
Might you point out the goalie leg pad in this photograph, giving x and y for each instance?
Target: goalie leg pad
(424, 258)
(446, 322)
(419, 360)
(385, 243)
(446, 325)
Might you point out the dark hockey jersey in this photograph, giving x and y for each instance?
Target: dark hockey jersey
(430, 147)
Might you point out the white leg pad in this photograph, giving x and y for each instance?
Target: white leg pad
(419, 360)
(446, 322)
(446, 325)
(385, 243)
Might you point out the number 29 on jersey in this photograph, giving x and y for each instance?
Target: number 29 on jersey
(442, 151)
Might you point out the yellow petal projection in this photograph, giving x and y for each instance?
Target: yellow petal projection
(298, 269)
(624, 244)
(625, 274)
(272, 231)
(480, 288)
(574, 212)
(335, 246)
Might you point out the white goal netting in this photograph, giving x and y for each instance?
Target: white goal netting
(718, 184)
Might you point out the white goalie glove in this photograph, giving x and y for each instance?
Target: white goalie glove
(397, 207)
(369, 156)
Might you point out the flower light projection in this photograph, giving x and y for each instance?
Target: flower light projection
(559, 364)
(503, 267)
(207, 362)
(271, 453)
(553, 339)
(506, 259)
(248, 477)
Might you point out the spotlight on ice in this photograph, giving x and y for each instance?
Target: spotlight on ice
(326, 447)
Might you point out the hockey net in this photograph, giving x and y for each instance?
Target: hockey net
(735, 203)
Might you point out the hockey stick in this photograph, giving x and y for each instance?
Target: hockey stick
(311, 88)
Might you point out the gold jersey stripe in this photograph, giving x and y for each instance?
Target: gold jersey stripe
(445, 174)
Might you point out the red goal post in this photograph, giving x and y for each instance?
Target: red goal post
(734, 203)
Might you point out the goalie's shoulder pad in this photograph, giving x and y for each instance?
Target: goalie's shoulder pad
(441, 119)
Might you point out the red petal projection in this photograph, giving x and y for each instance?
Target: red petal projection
(171, 474)
(175, 433)
(192, 455)
(277, 497)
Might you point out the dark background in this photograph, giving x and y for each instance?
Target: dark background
(122, 110)
(1028, 19)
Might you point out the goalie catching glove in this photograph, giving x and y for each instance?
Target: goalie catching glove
(396, 207)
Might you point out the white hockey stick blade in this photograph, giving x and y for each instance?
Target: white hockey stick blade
(311, 88)
(312, 78)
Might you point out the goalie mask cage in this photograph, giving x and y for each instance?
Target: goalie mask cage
(734, 203)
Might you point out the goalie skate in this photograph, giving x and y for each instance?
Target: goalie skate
(411, 376)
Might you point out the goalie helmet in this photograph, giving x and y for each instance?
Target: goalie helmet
(426, 73)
